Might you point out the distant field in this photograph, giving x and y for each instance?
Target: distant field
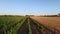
(52, 23)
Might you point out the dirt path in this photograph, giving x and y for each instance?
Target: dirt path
(24, 28)
(34, 28)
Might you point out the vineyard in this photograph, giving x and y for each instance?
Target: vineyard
(22, 25)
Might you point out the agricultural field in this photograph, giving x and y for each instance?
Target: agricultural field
(52, 23)
(23, 25)
(10, 24)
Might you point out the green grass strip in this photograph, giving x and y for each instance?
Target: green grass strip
(30, 31)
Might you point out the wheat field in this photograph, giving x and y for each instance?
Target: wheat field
(53, 23)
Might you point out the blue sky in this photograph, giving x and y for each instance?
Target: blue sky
(29, 7)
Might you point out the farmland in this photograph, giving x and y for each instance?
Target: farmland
(52, 23)
(24, 25)
(10, 24)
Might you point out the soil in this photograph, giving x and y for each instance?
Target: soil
(24, 28)
(34, 28)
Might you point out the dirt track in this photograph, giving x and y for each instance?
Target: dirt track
(34, 28)
(24, 28)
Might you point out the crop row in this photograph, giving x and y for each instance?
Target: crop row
(30, 31)
(10, 25)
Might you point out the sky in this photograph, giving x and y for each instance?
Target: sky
(29, 7)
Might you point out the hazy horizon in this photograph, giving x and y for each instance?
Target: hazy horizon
(29, 7)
